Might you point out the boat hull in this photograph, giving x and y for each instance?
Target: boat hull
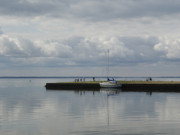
(110, 85)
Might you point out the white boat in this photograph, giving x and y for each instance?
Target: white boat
(110, 84)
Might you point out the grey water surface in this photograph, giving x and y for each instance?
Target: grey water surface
(27, 108)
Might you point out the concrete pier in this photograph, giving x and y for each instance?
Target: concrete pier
(152, 87)
(73, 86)
(162, 87)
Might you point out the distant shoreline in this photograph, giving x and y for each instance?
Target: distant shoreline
(85, 77)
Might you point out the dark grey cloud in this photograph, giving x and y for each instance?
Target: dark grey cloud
(27, 8)
(90, 10)
(105, 10)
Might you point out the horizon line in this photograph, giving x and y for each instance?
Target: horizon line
(89, 76)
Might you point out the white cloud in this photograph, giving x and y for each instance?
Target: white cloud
(169, 48)
(79, 50)
(116, 47)
(20, 47)
(61, 33)
(17, 47)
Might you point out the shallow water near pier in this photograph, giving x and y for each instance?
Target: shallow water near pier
(27, 108)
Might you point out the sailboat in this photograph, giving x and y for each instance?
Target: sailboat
(110, 83)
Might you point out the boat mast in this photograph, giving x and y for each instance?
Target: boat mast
(108, 64)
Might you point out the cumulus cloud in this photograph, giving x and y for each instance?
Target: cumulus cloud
(169, 48)
(20, 47)
(80, 50)
(125, 51)
(16, 47)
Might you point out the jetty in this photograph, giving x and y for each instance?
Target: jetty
(73, 86)
(154, 86)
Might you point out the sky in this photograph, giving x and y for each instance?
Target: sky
(72, 37)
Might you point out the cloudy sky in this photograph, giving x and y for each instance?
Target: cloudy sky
(71, 37)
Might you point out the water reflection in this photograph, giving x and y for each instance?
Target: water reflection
(33, 110)
(149, 93)
(110, 91)
(83, 92)
(107, 91)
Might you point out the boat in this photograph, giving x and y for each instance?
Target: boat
(110, 83)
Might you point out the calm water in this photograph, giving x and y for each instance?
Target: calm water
(26, 108)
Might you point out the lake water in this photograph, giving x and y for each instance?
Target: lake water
(27, 108)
